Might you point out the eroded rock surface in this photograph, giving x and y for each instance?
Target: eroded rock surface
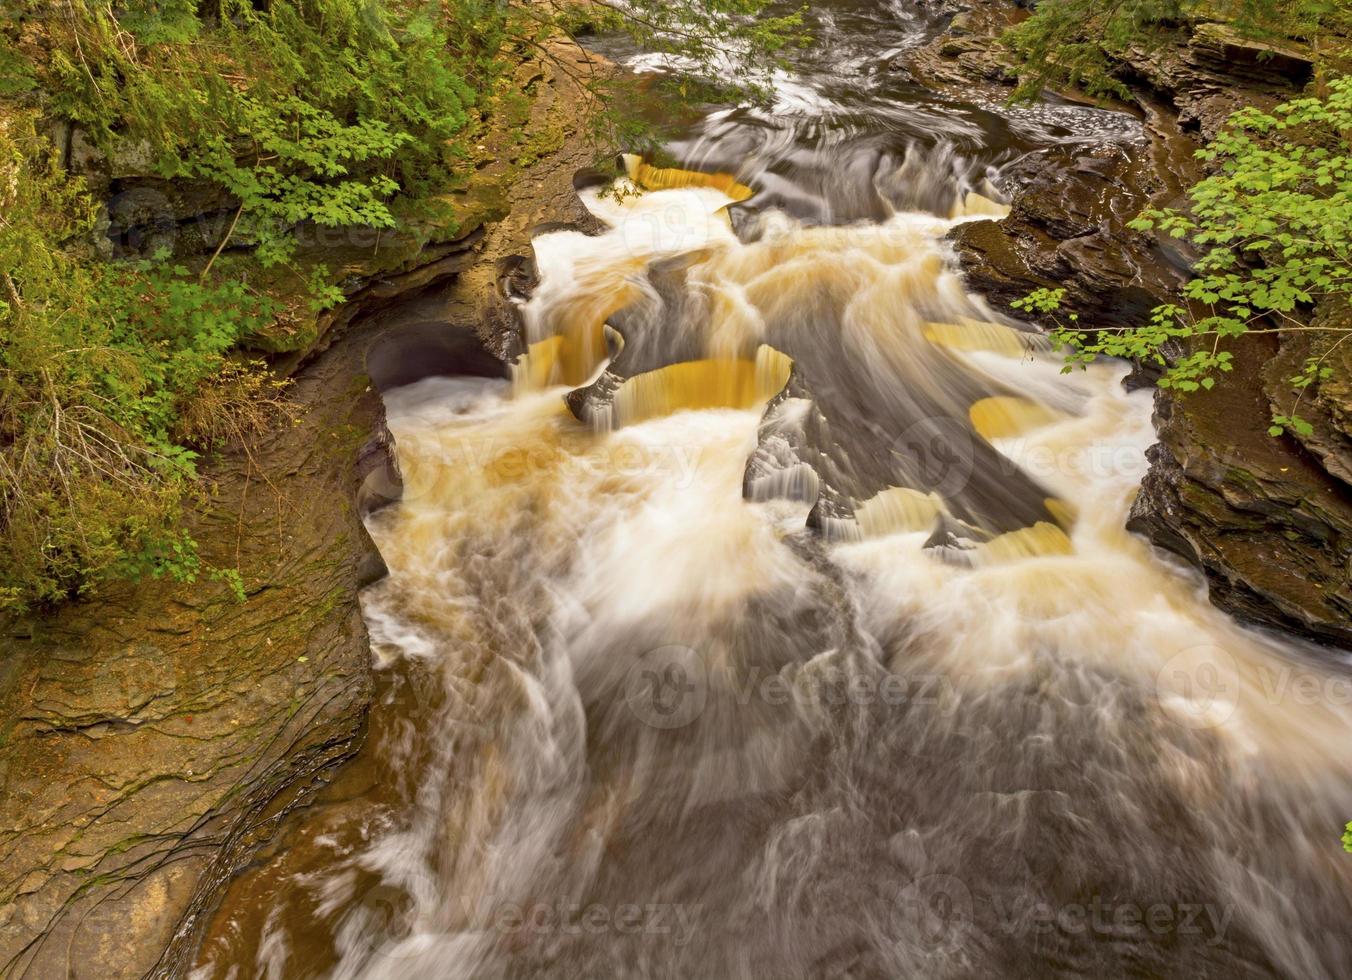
(153, 739)
(1269, 521)
(153, 736)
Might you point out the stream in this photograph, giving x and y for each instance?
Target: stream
(777, 618)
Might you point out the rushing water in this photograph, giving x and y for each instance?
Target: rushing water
(640, 720)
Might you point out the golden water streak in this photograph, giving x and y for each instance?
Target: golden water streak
(974, 335)
(1003, 416)
(709, 383)
(652, 178)
(578, 346)
(898, 510)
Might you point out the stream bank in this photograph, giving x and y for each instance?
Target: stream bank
(155, 737)
(1267, 521)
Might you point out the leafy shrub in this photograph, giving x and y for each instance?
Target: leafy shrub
(1273, 226)
(302, 111)
(98, 361)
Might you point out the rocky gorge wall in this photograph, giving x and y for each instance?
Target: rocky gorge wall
(1267, 521)
(152, 739)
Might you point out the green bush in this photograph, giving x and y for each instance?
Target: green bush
(98, 361)
(303, 111)
(1273, 229)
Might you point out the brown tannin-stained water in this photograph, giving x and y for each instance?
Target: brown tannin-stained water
(777, 619)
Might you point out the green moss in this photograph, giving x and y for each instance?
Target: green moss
(540, 145)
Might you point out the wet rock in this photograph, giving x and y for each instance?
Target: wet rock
(655, 335)
(407, 353)
(1067, 229)
(968, 51)
(1261, 517)
(380, 481)
(1327, 406)
(1268, 521)
(1208, 71)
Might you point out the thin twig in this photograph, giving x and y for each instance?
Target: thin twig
(228, 232)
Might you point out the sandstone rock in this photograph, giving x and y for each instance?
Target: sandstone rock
(157, 732)
(1067, 229)
(1262, 518)
(1268, 521)
(1225, 49)
(155, 738)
